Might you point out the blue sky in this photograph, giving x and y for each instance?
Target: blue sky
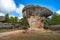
(53, 5)
(14, 7)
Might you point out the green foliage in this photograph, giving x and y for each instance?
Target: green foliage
(13, 20)
(7, 17)
(24, 22)
(55, 20)
(46, 22)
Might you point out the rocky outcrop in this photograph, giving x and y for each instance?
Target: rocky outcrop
(36, 16)
(2, 18)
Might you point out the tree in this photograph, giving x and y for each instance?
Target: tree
(7, 17)
(55, 20)
(24, 22)
(13, 20)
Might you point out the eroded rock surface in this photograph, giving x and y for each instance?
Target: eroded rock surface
(35, 16)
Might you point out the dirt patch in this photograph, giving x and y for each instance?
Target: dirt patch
(32, 36)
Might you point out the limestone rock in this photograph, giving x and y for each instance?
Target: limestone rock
(35, 16)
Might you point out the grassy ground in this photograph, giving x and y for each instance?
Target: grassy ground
(6, 30)
(33, 36)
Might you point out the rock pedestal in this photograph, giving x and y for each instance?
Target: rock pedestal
(36, 16)
(36, 23)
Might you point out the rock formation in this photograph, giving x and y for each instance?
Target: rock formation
(36, 16)
(2, 18)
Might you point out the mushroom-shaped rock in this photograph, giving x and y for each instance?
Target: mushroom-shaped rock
(36, 15)
(46, 12)
(36, 11)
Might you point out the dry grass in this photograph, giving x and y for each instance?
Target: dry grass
(33, 36)
(7, 30)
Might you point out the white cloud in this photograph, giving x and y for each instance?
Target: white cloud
(11, 16)
(19, 10)
(20, 17)
(2, 14)
(50, 17)
(58, 11)
(7, 6)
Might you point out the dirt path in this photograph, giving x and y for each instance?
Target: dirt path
(9, 33)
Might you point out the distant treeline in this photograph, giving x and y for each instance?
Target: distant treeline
(14, 20)
(54, 20)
